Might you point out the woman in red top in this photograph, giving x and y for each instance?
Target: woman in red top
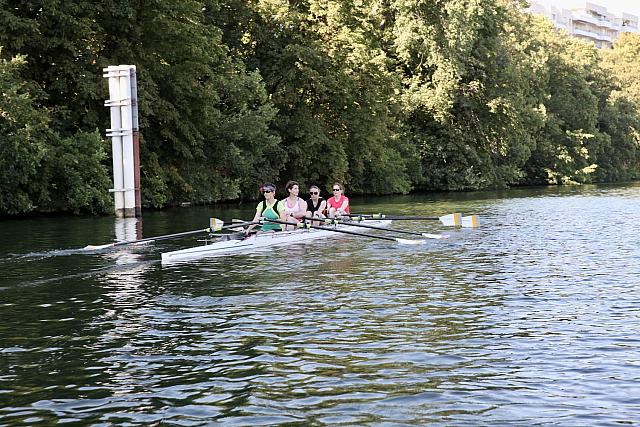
(339, 203)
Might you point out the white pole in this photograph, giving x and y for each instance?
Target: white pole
(127, 142)
(124, 117)
(116, 139)
(136, 139)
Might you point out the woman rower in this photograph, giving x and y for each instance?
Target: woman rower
(316, 205)
(269, 208)
(339, 203)
(294, 207)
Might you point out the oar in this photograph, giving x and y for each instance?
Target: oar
(353, 233)
(166, 236)
(451, 220)
(470, 221)
(373, 227)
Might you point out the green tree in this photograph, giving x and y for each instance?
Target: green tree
(383, 96)
(23, 139)
(39, 169)
(566, 145)
(619, 155)
(206, 119)
(74, 176)
(333, 87)
(620, 112)
(61, 41)
(189, 88)
(622, 62)
(468, 93)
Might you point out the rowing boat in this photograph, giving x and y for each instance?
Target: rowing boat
(259, 241)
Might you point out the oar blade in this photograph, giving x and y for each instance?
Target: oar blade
(451, 220)
(98, 247)
(434, 236)
(409, 241)
(216, 224)
(470, 221)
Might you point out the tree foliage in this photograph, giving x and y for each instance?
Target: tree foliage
(385, 96)
(23, 139)
(39, 168)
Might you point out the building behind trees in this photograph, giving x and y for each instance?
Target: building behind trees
(588, 21)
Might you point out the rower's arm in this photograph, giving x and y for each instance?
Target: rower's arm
(255, 219)
(281, 213)
(323, 207)
(344, 205)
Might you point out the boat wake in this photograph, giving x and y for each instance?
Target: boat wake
(65, 278)
(73, 251)
(46, 254)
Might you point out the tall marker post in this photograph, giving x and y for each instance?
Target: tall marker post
(125, 143)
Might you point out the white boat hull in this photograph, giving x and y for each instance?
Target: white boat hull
(261, 240)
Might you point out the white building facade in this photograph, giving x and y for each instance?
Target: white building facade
(587, 21)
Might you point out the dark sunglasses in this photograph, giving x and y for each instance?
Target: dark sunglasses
(267, 191)
(336, 189)
(313, 192)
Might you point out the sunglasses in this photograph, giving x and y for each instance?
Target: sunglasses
(313, 193)
(267, 191)
(336, 189)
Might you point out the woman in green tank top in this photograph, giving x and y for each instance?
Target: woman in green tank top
(269, 208)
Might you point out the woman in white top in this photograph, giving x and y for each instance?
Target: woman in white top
(294, 207)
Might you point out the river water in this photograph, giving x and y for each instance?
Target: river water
(531, 319)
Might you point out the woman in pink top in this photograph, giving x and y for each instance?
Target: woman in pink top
(339, 203)
(295, 208)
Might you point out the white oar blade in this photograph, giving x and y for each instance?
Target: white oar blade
(451, 220)
(215, 224)
(97, 247)
(111, 245)
(470, 221)
(410, 241)
(434, 236)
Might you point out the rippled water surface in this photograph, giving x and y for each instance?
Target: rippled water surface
(531, 319)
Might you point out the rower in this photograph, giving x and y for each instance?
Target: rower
(294, 207)
(269, 208)
(316, 205)
(338, 204)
